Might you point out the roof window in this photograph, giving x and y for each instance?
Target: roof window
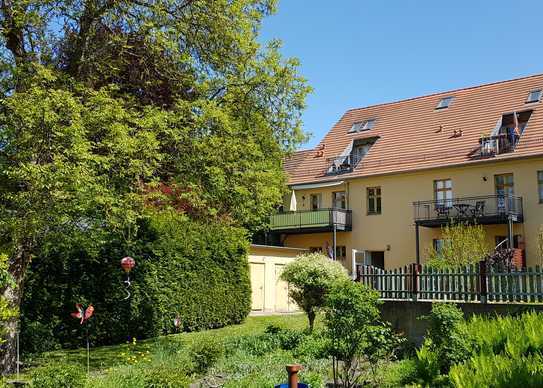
(444, 102)
(534, 96)
(365, 125)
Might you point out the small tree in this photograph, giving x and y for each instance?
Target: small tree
(312, 276)
(354, 334)
(462, 244)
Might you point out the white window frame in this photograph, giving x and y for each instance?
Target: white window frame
(445, 102)
(531, 101)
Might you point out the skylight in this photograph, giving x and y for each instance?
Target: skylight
(365, 125)
(444, 102)
(534, 96)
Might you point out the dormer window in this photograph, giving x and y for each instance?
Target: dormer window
(444, 102)
(534, 96)
(365, 125)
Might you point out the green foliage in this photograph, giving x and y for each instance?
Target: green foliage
(503, 351)
(205, 353)
(499, 371)
(7, 312)
(462, 245)
(109, 108)
(58, 376)
(169, 357)
(143, 376)
(353, 333)
(399, 374)
(197, 271)
(311, 277)
(445, 345)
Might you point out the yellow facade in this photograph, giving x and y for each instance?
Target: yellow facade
(393, 231)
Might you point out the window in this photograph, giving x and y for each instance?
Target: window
(438, 245)
(365, 125)
(315, 201)
(443, 192)
(341, 253)
(505, 191)
(339, 200)
(504, 185)
(534, 96)
(315, 250)
(444, 102)
(540, 185)
(374, 200)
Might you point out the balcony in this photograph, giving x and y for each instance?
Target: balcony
(483, 210)
(312, 221)
(341, 164)
(496, 145)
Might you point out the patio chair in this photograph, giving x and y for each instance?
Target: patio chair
(479, 209)
(442, 211)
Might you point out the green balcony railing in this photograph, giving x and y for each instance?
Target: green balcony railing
(312, 220)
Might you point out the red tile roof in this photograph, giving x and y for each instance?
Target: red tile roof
(413, 135)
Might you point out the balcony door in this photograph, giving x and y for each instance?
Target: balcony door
(505, 190)
(316, 201)
(443, 193)
(339, 200)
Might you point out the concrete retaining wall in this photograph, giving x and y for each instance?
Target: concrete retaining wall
(403, 315)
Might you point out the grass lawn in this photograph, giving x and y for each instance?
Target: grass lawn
(247, 361)
(107, 356)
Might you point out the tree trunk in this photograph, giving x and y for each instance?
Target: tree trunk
(8, 350)
(13, 294)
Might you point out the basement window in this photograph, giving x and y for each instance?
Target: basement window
(534, 96)
(365, 125)
(444, 102)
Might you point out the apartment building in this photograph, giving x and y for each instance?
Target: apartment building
(386, 178)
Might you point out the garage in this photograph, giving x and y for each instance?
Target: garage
(269, 292)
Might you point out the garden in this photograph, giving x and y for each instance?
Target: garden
(340, 341)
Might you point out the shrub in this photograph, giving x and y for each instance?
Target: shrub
(205, 352)
(351, 311)
(499, 371)
(399, 374)
(259, 344)
(165, 377)
(58, 376)
(190, 269)
(312, 275)
(446, 336)
(462, 245)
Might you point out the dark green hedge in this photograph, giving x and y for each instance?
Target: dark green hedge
(195, 270)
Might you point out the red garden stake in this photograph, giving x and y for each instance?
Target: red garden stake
(84, 314)
(127, 263)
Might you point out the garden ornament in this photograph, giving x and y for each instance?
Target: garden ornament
(127, 263)
(84, 314)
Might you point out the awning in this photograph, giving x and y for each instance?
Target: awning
(316, 185)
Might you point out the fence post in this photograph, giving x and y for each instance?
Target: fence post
(415, 268)
(483, 291)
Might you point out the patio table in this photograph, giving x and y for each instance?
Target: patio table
(463, 209)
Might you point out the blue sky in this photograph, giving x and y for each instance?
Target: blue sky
(358, 52)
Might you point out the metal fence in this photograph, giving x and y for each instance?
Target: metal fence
(472, 283)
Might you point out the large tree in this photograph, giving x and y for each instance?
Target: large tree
(111, 105)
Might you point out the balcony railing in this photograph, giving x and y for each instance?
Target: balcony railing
(489, 209)
(341, 164)
(312, 221)
(498, 144)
